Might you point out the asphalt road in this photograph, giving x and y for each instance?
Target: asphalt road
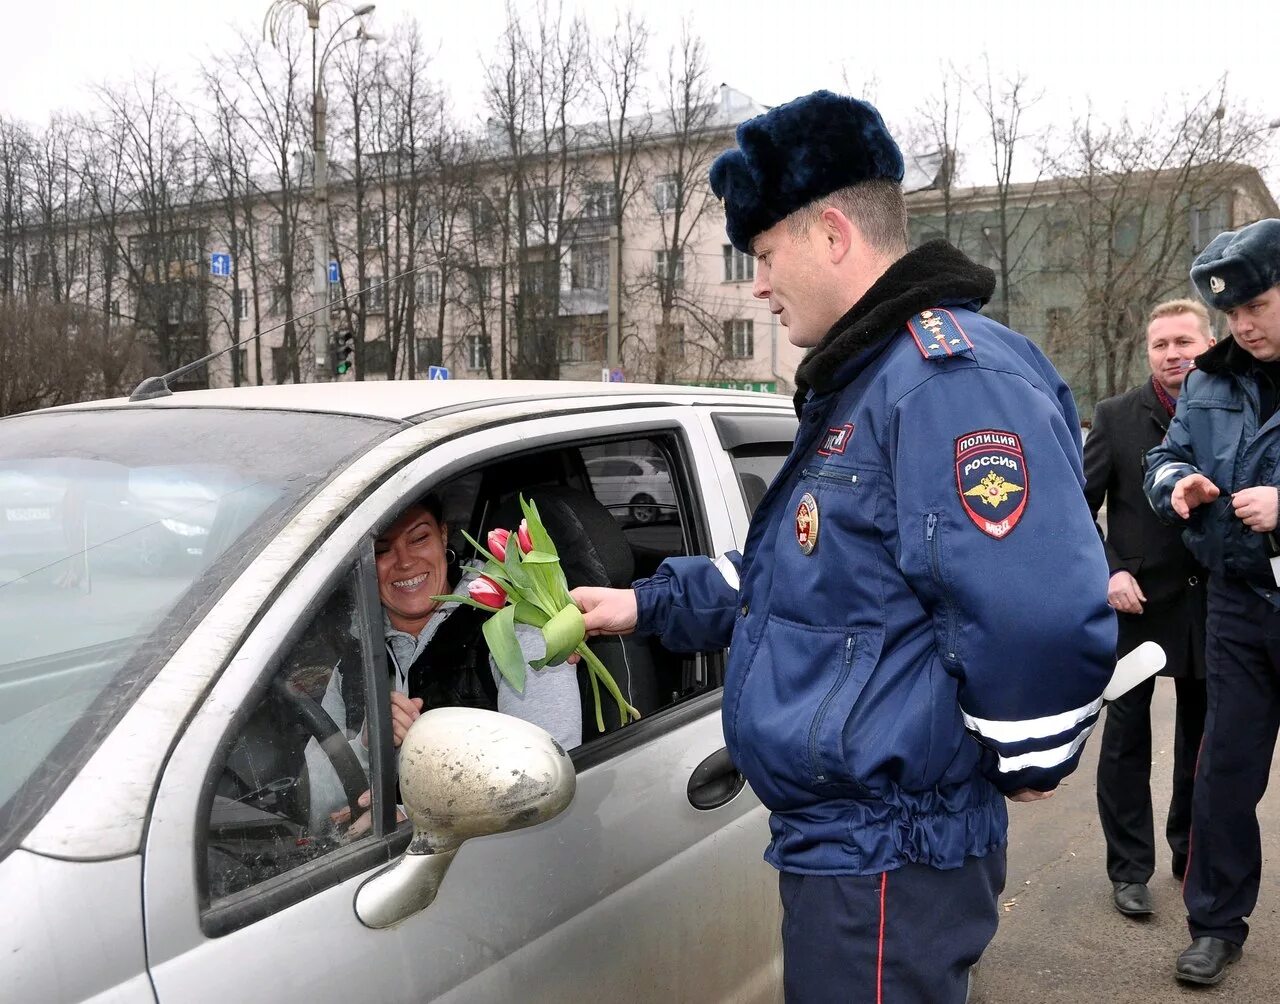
(1060, 939)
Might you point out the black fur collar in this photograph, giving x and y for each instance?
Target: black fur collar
(1226, 355)
(930, 276)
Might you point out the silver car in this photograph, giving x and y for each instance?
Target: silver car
(157, 837)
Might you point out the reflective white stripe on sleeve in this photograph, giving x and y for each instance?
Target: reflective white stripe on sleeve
(1044, 758)
(725, 567)
(1030, 728)
(1168, 471)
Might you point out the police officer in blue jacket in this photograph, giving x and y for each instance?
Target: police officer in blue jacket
(918, 619)
(1217, 471)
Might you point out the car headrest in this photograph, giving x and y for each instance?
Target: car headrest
(593, 549)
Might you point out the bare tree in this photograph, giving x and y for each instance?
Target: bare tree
(1143, 198)
(534, 93)
(934, 137)
(271, 88)
(617, 76)
(1012, 231)
(688, 339)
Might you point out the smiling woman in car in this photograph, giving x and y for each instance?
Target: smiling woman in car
(436, 651)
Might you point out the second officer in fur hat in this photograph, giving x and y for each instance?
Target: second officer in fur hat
(1216, 473)
(900, 662)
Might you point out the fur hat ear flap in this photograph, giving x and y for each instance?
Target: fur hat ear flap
(798, 152)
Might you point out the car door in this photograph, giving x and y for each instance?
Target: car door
(631, 893)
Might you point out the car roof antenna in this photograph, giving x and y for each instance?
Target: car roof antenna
(153, 387)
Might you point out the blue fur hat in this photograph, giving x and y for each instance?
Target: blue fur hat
(798, 152)
(1238, 265)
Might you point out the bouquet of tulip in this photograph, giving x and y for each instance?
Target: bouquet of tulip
(526, 584)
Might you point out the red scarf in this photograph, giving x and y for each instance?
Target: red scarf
(1170, 403)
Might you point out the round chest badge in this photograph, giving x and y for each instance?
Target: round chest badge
(807, 523)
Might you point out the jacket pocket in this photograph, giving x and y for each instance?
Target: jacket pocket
(945, 620)
(794, 704)
(829, 760)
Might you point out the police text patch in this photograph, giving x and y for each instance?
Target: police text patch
(991, 477)
(836, 440)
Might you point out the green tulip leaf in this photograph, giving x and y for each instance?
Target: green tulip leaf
(500, 633)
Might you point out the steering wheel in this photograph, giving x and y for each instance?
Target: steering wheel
(321, 727)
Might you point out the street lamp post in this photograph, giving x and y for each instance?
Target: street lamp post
(273, 25)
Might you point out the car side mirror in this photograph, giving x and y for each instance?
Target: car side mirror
(464, 772)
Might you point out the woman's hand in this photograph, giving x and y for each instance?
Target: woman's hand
(405, 711)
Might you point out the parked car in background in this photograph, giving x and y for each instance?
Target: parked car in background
(156, 842)
(638, 489)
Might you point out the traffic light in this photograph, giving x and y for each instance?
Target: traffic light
(345, 357)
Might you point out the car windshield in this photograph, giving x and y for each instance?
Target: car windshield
(118, 529)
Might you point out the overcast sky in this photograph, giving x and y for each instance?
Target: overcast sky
(1119, 54)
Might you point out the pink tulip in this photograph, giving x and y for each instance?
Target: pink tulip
(522, 535)
(497, 543)
(487, 593)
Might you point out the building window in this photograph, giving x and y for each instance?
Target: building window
(377, 356)
(670, 267)
(280, 371)
(739, 339)
(115, 311)
(241, 307)
(571, 348)
(477, 352)
(376, 299)
(589, 266)
(372, 228)
(429, 354)
(666, 193)
(277, 238)
(187, 246)
(430, 227)
(279, 301)
(738, 267)
(600, 201)
(428, 288)
(483, 215)
(39, 268)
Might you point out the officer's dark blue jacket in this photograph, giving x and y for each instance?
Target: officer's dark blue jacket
(1215, 432)
(947, 639)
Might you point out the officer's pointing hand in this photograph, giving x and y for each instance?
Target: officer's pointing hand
(1256, 508)
(606, 611)
(1192, 491)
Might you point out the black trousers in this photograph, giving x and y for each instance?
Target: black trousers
(1243, 662)
(1124, 778)
(908, 936)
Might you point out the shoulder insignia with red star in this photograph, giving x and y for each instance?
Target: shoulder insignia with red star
(938, 334)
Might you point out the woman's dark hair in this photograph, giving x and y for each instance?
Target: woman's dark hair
(431, 502)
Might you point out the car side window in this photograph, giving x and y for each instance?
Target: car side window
(756, 467)
(289, 786)
(616, 510)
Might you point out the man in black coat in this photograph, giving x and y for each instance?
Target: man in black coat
(1158, 590)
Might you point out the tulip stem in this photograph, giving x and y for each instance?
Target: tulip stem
(625, 711)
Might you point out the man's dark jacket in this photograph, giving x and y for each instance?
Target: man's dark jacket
(1125, 427)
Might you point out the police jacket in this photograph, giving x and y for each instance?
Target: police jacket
(1125, 427)
(1215, 432)
(918, 620)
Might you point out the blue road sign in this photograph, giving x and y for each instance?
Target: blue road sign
(437, 372)
(219, 263)
(333, 271)
(616, 375)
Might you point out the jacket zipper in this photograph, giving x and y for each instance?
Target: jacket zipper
(932, 537)
(826, 703)
(821, 473)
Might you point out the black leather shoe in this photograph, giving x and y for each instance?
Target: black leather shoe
(1206, 960)
(1179, 866)
(1133, 899)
